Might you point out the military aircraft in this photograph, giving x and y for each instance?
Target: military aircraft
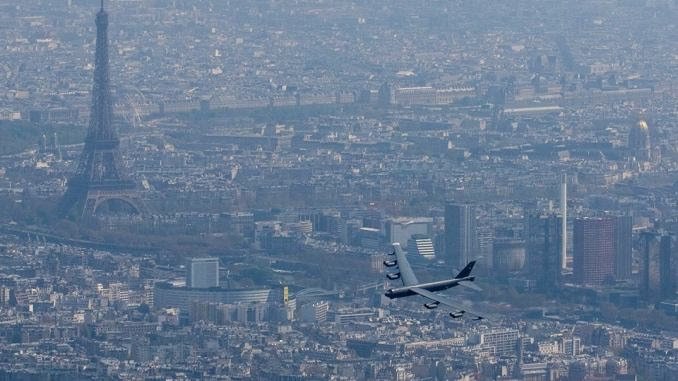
(411, 285)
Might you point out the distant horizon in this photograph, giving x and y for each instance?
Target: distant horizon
(276, 190)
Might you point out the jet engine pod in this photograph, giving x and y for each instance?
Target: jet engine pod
(457, 315)
(431, 305)
(393, 276)
(390, 263)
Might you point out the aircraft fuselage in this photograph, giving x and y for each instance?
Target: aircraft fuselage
(441, 285)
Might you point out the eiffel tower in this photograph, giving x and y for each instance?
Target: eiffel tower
(98, 179)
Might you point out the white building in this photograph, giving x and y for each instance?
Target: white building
(202, 273)
(420, 244)
(503, 342)
(401, 229)
(315, 312)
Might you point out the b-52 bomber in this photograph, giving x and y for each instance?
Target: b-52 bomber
(411, 285)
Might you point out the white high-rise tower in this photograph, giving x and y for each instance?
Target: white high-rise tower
(563, 215)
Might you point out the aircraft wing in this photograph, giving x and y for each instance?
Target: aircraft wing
(461, 311)
(406, 273)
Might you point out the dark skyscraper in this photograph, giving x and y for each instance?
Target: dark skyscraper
(460, 233)
(666, 273)
(593, 250)
(623, 244)
(543, 239)
(657, 276)
(384, 95)
(98, 180)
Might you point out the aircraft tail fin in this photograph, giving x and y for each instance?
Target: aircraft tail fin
(467, 270)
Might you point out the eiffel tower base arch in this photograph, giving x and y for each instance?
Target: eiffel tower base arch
(95, 199)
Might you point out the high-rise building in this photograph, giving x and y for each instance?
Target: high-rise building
(485, 237)
(594, 250)
(384, 95)
(5, 295)
(503, 341)
(315, 312)
(421, 245)
(543, 241)
(657, 275)
(639, 141)
(563, 221)
(460, 233)
(401, 229)
(202, 273)
(667, 275)
(571, 346)
(509, 255)
(623, 245)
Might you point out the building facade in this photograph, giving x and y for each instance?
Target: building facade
(401, 229)
(639, 141)
(543, 242)
(202, 273)
(623, 245)
(460, 233)
(166, 295)
(593, 250)
(657, 279)
(421, 245)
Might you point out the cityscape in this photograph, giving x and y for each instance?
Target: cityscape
(236, 190)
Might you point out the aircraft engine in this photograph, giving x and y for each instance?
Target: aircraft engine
(457, 315)
(393, 276)
(390, 263)
(431, 305)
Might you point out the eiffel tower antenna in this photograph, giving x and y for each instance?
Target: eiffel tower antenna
(98, 178)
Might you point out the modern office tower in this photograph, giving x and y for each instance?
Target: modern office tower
(593, 250)
(264, 231)
(571, 346)
(484, 241)
(315, 312)
(57, 147)
(99, 180)
(543, 243)
(240, 222)
(623, 245)
(657, 275)
(400, 229)
(202, 273)
(563, 221)
(460, 234)
(639, 141)
(5, 295)
(509, 255)
(384, 95)
(667, 275)
(369, 238)
(501, 341)
(422, 245)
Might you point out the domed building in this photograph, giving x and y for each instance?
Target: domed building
(639, 141)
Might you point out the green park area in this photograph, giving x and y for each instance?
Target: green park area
(18, 136)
